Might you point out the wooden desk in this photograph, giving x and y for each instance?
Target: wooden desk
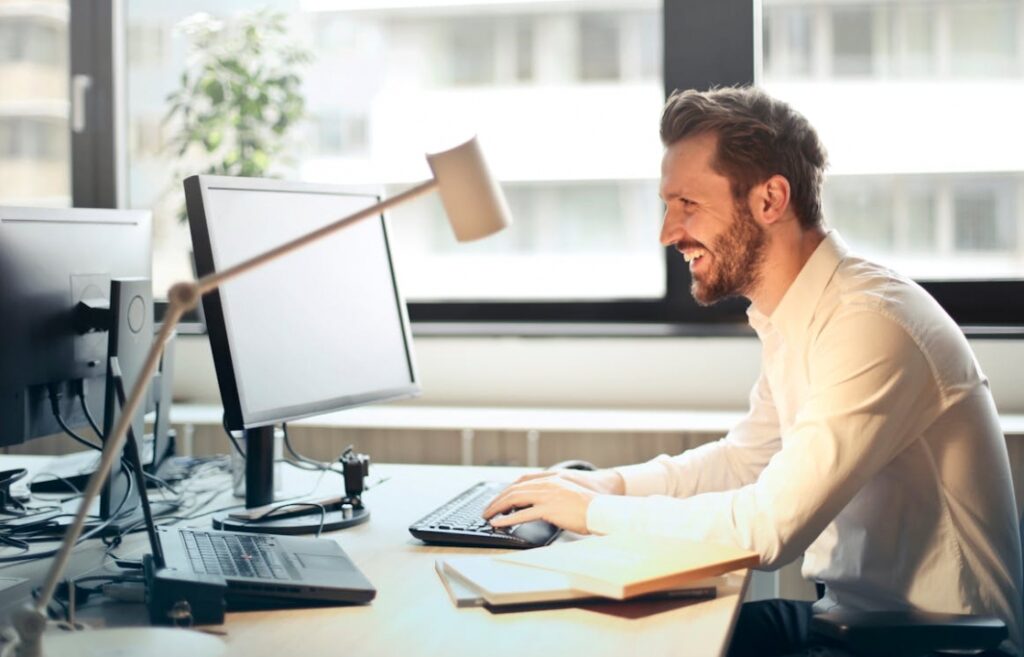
(412, 614)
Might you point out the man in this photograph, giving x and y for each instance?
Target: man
(872, 445)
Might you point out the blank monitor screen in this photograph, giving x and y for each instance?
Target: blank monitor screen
(320, 329)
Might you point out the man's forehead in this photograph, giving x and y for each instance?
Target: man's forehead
(686, 166)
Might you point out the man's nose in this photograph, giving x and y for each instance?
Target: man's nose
(672, 229)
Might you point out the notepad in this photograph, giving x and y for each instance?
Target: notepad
(502, 583)
(622, 566)
(474, 581)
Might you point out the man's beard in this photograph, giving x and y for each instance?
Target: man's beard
(737, 256)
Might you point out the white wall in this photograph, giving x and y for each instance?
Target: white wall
(671, 373)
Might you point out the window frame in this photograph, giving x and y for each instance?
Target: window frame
(706, 43)
(95, 153)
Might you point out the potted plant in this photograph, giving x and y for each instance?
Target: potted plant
(240, 95)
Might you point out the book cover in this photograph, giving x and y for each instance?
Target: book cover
(501, 583)
(480, 580)
(461, 594)
(622, 566)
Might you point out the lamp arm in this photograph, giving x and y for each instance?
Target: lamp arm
(182, 297)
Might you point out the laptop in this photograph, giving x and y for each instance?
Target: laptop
(266, 571)
(260, 570)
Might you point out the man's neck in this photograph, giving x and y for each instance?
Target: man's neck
(785, 257)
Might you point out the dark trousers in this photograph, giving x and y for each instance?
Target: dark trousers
(774, 628)
(779, 628)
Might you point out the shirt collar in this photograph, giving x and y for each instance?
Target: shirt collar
(796, 309)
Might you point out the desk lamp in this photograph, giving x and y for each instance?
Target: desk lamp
(475, 207)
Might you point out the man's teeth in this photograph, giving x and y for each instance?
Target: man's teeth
(693, 254)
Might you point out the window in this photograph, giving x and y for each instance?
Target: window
(908, 101)
(565, 101)
(340, 134)
(985, 38)
(32, 38)
(470, 51)
(852, 40)
(913, 40)
(524, 50)
(599, 46)
(916, 100)
(985, 219)
(788, 42)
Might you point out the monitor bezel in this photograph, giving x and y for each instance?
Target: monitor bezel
(197, 190)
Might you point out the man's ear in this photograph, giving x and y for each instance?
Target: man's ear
(770, 200)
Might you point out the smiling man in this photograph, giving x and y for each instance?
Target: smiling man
(872, 444)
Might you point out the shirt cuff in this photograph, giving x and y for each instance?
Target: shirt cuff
(645, 479)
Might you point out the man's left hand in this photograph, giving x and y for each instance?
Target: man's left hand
(559, 501)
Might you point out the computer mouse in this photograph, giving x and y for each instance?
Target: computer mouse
(573, 464)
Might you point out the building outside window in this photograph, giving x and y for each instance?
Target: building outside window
(916, 102)
(565, 100)
(34, 108)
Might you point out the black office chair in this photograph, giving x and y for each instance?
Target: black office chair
(908, 633)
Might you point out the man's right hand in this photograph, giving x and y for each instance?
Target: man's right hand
(604, 482)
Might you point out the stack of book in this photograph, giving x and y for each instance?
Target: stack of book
(616, 567)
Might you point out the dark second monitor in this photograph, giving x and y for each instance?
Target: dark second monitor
(57, 319)
(50, 260)
(319, 330)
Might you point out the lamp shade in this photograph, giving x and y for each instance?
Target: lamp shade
(473, 201)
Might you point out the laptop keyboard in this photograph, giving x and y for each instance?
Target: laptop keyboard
(235, 555)
(459, 522)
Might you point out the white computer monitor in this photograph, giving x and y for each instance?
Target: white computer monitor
(317, 331)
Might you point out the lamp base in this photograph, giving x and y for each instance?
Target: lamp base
(306, 523)
(149, 641)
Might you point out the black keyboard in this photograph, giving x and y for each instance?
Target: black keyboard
(458, 522)
(235, 555)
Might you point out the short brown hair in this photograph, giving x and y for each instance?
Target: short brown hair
(758, 137)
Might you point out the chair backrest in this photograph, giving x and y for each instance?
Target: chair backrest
(1020, 528)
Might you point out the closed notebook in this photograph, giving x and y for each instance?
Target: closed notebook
(498, 583)
(501, 583)
(623, 566)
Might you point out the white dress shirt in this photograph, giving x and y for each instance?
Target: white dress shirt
(872, 446)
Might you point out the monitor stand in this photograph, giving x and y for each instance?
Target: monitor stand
(259, 492)
(129, 338)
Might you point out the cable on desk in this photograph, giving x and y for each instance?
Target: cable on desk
(162, 484)
(85, 536)
(304, 462)
(66, 482)
(231, 437)
(15, 542)
(95, 427)
(83, 593)
(278, 507)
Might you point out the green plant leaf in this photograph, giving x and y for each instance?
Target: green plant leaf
(214, 90)
(239, 96)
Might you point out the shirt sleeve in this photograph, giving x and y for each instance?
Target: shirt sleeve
(734, 461)
(873, 393)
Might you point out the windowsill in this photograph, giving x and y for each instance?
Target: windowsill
(579, 330)
(612, 330)
(545, 420)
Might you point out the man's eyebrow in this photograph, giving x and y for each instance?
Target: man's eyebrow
(674, 195)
